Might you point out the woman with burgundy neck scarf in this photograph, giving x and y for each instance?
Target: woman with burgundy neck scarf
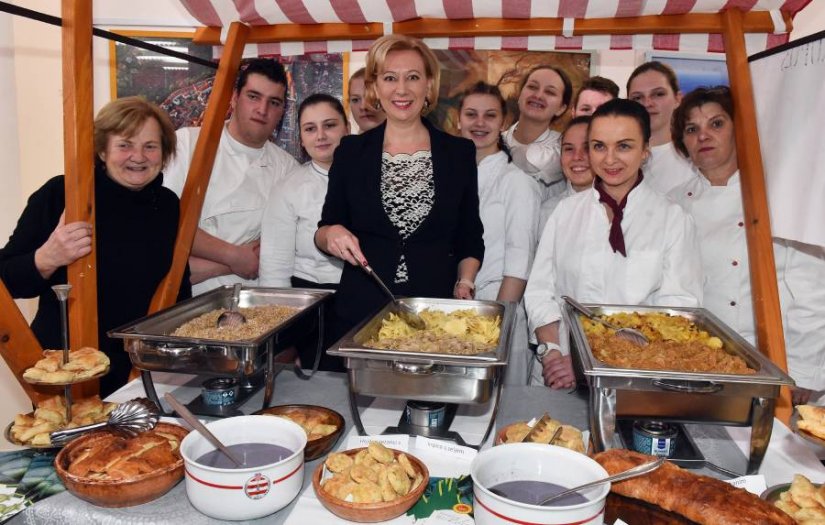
(619, 243)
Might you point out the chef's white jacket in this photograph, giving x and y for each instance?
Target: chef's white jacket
(720, 222)
(574, 257)
(288, 231)
(509, 203)
(548, 206)
(667, 168)
(241, 181)
(540, 159)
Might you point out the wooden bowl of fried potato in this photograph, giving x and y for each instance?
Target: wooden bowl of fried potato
(322, 425)
(354, 496)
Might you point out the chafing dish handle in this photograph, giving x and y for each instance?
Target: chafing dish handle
(416, 369)
(691, 387)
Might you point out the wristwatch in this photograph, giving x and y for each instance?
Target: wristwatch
(544, 348)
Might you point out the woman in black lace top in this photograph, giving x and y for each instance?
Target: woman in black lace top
(402, 197)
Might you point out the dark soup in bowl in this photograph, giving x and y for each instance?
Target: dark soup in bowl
(252, 454)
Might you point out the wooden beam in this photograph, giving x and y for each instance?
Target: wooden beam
(766, 307)
(754, 22)
(18, 345)
(200, 169)
(296, 33)
(78, 151)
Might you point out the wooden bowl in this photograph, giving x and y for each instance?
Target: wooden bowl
(317, 447)
(119, 493)
(370, 512)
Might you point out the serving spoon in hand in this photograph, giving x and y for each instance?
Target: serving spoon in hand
(631, 334)
(406, 312)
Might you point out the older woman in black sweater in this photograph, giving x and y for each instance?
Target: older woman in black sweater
(135, 231)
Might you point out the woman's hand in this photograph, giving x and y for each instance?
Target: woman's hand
(557, 370)
(66, 244)
(246, 259)
(463, 290)
(340, 242)
(800, 396)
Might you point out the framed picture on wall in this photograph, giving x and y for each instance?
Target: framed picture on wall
(694, 71)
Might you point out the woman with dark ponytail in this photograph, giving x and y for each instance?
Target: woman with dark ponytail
(509, 202)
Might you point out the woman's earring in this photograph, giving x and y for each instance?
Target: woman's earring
(377, 106)
(426, 105)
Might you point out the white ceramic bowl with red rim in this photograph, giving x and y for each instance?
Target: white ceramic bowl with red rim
(535, 462)
(247, 493)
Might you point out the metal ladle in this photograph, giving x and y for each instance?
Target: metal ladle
(232, 317)
(190, 418)
(631, 334)
(638, 470)
(129, 418)
(406, 312)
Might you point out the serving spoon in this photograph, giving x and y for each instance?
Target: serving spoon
(631, 334)
(406, 312)
(232, 317)
(638, 470)
(190, 418)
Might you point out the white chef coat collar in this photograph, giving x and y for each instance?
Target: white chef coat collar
(318, 169)
(492, 160)
(541, 138)
(236, 148)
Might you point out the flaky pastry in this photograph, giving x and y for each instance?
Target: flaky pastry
(34, 429)
(84, 363)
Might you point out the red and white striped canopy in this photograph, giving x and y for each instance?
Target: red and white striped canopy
(220, 13)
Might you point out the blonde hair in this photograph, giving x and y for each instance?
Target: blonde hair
(125, 116)
(377, 56)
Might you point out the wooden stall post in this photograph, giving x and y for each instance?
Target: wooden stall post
(766, 308)
(18, 345)
(200, 169)
(78, 151)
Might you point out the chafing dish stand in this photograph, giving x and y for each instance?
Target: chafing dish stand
(429, 377)
(681, 397)
(151, 346)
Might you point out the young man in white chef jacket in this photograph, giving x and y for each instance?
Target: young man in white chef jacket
(247, 165)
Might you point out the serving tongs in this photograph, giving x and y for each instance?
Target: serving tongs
(129, 419)
(404, 311)
(631, 334)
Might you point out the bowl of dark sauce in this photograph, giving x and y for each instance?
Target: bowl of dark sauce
(271, 475)
(509, 482)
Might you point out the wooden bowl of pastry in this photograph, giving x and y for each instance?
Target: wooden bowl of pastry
(376, 496)
(131, 471)
(570, 437)
(322, 425)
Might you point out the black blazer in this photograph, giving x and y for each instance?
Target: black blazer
(451, 232)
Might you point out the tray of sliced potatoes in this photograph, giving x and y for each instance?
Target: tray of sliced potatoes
(84, 364)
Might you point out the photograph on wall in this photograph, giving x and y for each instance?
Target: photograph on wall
(695, 71)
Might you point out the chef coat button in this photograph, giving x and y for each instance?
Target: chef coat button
(735, 263)
(690, 194)
(741, 224)
(733, 303)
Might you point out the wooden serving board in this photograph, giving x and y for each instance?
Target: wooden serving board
(637, 512)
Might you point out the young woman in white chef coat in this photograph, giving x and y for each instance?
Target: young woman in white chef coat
(509, 203)
(544, 96)
(575, 164)
(620, 242)
(655, 86)
(703, 131)
(289, 256)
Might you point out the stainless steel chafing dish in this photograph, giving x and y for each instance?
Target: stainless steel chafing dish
(730, 399)
(432, 377)
(151, 346)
